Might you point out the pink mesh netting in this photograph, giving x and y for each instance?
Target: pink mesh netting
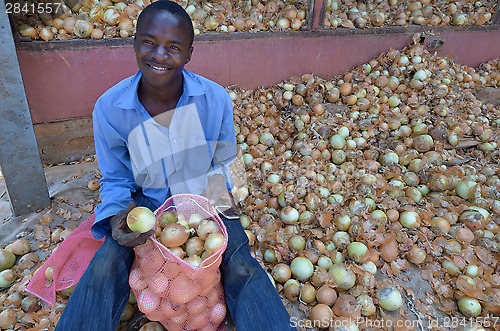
(69, 262)
(171, 291)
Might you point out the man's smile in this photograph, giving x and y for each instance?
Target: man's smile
(158, 67)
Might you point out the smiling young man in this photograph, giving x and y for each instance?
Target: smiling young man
(161, 132)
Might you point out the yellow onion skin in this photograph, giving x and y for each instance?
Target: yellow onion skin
(141, 219)
(389, 297)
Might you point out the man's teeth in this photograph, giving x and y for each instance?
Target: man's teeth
(158, 68)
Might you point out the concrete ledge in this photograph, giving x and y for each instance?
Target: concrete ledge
(65, 141)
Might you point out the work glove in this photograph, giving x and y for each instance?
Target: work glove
(122, 233)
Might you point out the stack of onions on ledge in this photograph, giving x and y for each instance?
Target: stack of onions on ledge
(99, 19)
(369, 14)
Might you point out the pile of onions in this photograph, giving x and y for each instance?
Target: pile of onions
(389, 167)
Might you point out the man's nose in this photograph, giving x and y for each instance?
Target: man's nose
(160, 53)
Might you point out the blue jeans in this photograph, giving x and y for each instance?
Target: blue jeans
(103, 291)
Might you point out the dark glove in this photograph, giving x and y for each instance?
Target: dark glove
(122, 233)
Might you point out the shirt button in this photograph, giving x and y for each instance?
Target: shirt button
(174, 140)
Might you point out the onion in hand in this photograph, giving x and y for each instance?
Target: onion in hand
(141, 219)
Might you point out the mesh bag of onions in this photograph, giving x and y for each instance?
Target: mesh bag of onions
(175, 275)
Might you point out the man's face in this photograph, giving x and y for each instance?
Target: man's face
(162, 48)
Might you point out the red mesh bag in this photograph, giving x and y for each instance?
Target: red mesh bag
(69, 262)
(171, 291)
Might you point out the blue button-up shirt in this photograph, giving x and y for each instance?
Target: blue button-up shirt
(136, 152)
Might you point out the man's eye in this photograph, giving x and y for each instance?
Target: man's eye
(175, 48)
(148, 42)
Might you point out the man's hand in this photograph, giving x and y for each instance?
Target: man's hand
(122, 233)
(217, 191)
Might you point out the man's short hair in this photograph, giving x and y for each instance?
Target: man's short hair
(171, 7)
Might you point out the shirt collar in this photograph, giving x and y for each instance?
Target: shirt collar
(191, 85)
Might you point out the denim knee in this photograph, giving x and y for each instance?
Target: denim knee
(111, 258)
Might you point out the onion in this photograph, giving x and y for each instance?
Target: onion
(466, 189)
(28, 261)
(283, 23)
(291, 289)
(307, 293)
(325, 262)
(141, 219)
(450, 267)
(7, 318)
(83, 29)
(326, 295)
(410, 219)
(358, 252)
(389, 250)
(342, 223)
(49, 273)
(167, 217)
(302, 268)
(7, 259)
(7, 277)
(297, 242)
(416, 255)
(69, 23)
(194, 246)
(343, 276)
(30, 304)
(194, 220)
(174, 235)
(440, 225)
(13, 298)
(270, 256)
(93, 184)
(214, 242)
(245, 221)
(111, 16)
(128, 313)
(389, 297)
(206, 228)
(181, 219)
(321, 315)
(46, 33)
(281, 273)
(152, 326)
(341, 239)
(194, 261)
(370, 267)
(347, 306)
(178, 251)
(182, 290)
(367, 306)
(289, 215)
(470, 307)
(27, 31)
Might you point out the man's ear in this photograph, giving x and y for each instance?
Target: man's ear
(190, 52)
